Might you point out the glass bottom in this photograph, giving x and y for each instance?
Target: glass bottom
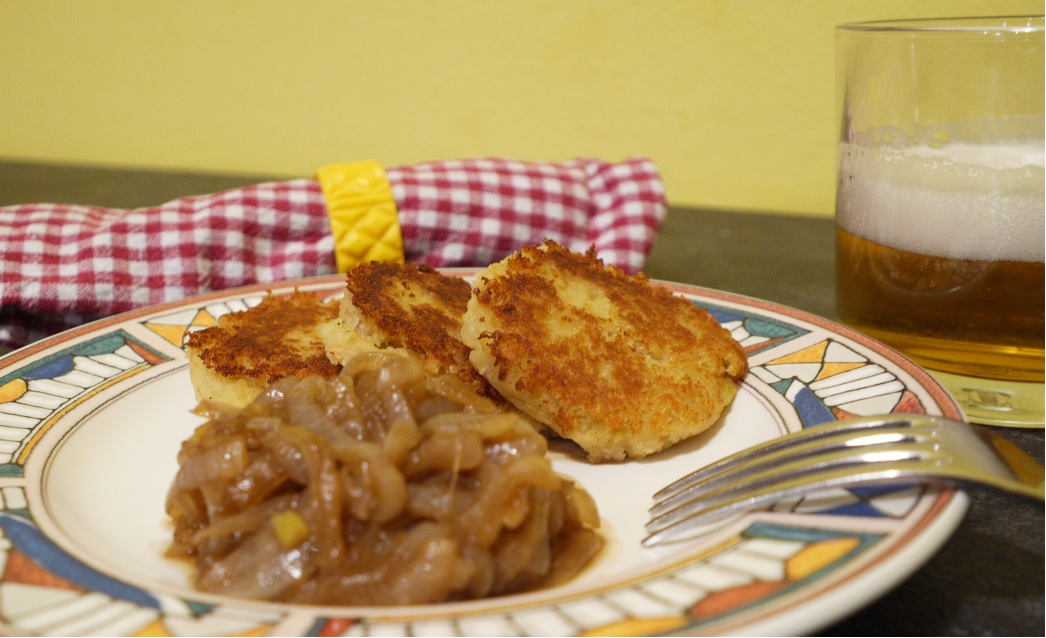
(1015, 404)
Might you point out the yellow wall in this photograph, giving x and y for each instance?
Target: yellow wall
(733, 99)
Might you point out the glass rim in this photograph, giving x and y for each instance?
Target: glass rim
(957, 25)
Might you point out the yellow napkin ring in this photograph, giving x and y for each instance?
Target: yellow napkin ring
(362, 213)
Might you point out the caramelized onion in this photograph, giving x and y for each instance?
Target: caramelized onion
(386, 486)
(218, 463)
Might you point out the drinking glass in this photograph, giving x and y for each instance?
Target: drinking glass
(939, 207)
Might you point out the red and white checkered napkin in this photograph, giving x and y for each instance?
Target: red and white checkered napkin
(62, 265)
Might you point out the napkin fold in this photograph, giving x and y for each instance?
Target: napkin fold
(63, 265)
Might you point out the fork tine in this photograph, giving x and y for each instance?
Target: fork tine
(811, 450)
(893, 446)
(889, 449)
(862, 473)
(773, 449)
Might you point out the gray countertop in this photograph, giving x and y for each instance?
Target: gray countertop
(988, 578)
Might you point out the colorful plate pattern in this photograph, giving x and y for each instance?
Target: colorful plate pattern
(90, 423)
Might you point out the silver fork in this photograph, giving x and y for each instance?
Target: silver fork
(880, 450)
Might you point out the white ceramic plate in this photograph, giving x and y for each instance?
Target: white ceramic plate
(91, 421)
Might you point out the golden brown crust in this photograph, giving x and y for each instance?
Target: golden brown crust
(275, 339)
(416, 308)
(608, 360)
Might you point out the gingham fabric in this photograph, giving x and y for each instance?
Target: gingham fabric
(63, 265)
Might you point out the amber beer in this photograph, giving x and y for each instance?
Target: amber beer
(931, 266)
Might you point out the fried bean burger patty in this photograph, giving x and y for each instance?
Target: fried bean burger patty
(416, 309)
(292, 335)
(621, 367)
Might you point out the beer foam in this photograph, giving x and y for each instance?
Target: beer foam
(991, 156)
(963, 201)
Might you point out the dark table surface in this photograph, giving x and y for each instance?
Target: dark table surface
(986, 580)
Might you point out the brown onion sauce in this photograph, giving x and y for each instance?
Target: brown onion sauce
(381, 486)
